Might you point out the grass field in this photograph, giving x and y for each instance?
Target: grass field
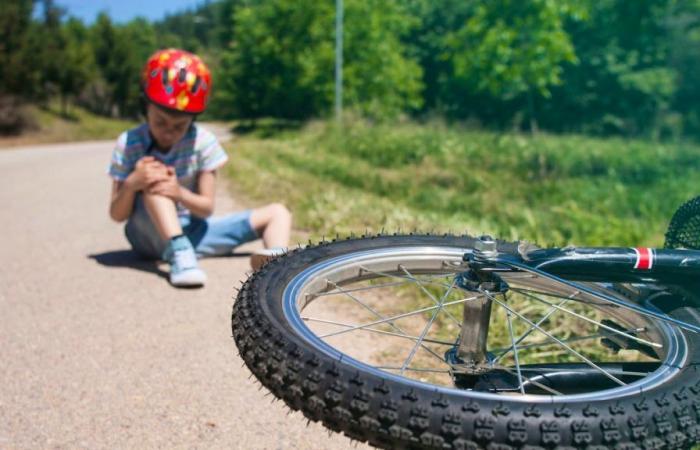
(553, 190)
(77, 125)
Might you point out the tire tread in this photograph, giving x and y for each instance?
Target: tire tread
(386, 414)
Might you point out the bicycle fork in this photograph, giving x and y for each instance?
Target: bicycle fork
(469, 358)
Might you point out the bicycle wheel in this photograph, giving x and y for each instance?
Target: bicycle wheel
(358, 334)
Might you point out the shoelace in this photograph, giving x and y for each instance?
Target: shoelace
(184, 259)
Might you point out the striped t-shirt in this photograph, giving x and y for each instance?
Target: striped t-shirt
(198, 151)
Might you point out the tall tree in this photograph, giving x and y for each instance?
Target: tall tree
(436, 21)
(276, 63)
(281, 61)
(77, 69)
(623, 83)
(514, 48)
(685, 59)
(139, 42)
(16, 71)
(52, 49)
(115, 54)
(104, 40)
(382, 78)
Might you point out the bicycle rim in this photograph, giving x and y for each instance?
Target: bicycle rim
(407, 301)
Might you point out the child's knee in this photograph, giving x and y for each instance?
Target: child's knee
(160, 204)
(272, 213)
(156, 198)
(280, 211)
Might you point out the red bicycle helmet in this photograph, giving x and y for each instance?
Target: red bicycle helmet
(178, 80)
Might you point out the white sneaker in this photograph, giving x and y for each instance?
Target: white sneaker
(188, 278)
(260, 257)
(184, 271)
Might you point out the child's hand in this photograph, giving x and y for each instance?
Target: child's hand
(147, 172)
(169, 187)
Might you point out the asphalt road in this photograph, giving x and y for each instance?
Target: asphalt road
(97, 350)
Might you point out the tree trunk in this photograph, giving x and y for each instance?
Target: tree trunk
(531, 112)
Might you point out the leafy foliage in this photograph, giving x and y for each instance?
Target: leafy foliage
(624, 82)
(511, 47)
(549, 189)
(381, 78)
(604, 67)
(17, 73)
(281, 61)
(272, 67)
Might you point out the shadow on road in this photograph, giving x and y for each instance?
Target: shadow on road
(130, 259)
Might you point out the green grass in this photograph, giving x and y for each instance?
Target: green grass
(77, 125)
(548, 189)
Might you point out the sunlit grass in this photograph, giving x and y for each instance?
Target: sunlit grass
(547, 189)
(77, 125)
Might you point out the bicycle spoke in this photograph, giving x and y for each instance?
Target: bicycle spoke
(431, 296)
(374, 330)
(582, 317)
(555, 369)
(554, 295)
(400, 277)
(366, 288)
(401, 316)
(558, 341)
(615, 301)
(515, 353)
(391, 323)
(427, 327)
(412, 369)
(538, 384)
(531, 329)
(573, 339)
(357, 300)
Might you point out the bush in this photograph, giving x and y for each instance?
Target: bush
(15, 117)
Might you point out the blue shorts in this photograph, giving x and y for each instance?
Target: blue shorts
(213, 236)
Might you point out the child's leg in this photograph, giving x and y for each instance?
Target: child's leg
(273, 223)
(163, 214)
(179, 251)
(220, 235)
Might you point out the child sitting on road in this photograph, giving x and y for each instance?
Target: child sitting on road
(164, 175)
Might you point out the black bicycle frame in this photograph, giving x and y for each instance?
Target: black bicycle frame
(666, 267)
(624, 265)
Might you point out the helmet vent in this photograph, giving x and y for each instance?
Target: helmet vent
(182, 74)
(164, 76)
(195, 85)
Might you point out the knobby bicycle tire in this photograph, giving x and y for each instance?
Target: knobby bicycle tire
(389, 413)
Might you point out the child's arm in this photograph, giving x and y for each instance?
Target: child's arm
(147, 172)
(200, 203)
(122, 201)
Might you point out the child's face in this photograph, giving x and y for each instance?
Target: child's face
(167, 128)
